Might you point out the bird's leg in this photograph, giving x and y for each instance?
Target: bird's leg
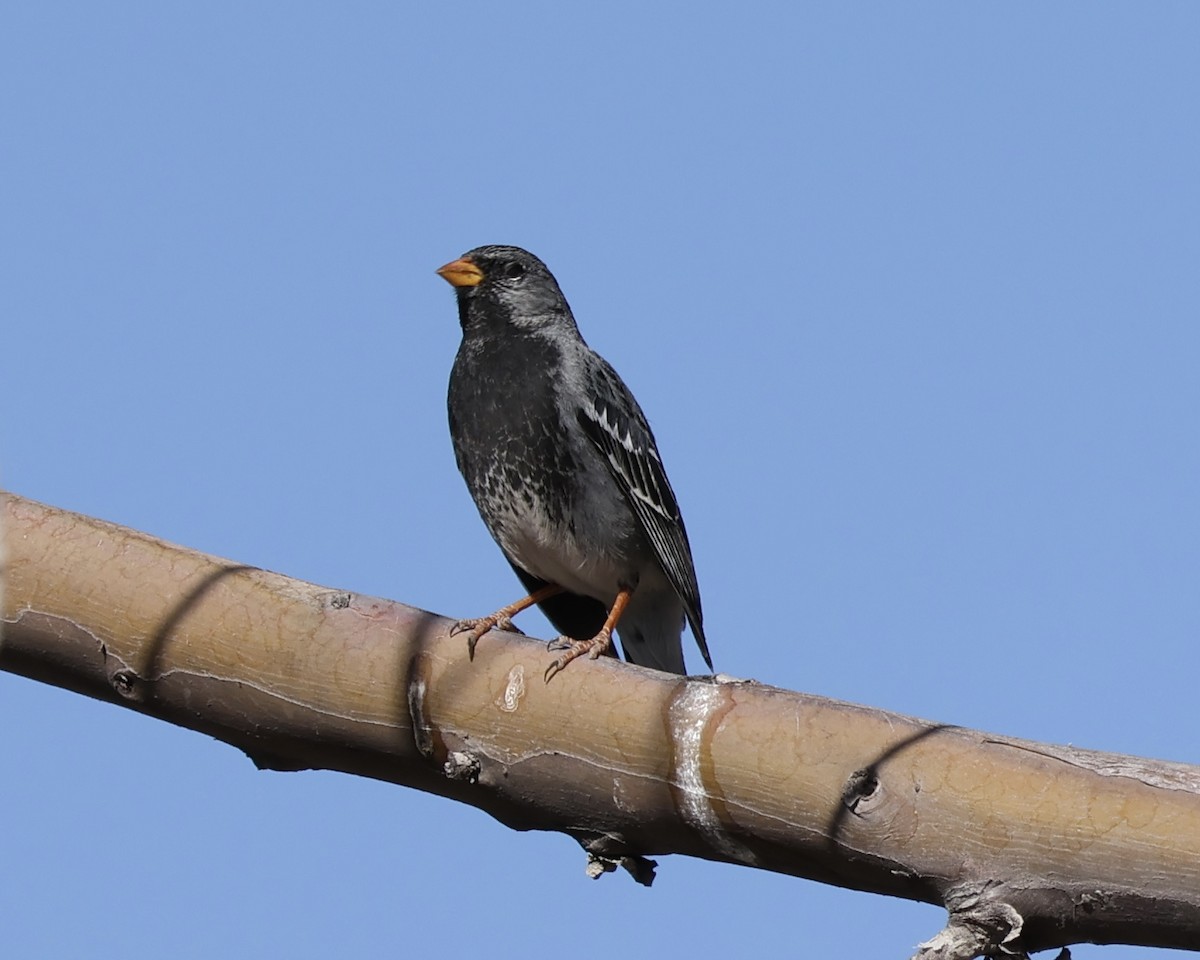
(597, 645)
(502, 618)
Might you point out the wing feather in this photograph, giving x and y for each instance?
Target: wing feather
(619, 431)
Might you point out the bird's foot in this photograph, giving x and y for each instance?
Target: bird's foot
(574, 649)
(478, 626)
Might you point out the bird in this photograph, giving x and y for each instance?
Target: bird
(565, 472)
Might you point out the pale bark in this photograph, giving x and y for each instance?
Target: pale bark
(1027, 845)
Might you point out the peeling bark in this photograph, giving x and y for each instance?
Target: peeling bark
(1027, 845)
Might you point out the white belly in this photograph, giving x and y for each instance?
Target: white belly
(592, 556)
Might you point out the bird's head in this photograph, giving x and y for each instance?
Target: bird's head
(505, 286)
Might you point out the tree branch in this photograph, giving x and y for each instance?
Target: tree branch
(1027, 845)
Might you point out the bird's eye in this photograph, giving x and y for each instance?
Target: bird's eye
(514, 271)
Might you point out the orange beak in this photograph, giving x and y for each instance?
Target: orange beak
(461, 273)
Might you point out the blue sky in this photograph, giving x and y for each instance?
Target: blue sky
(908, 292)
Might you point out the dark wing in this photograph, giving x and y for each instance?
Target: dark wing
(612, 421)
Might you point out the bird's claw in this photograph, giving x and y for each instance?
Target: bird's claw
(476, 627)
(575, 649)
(482, 625)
